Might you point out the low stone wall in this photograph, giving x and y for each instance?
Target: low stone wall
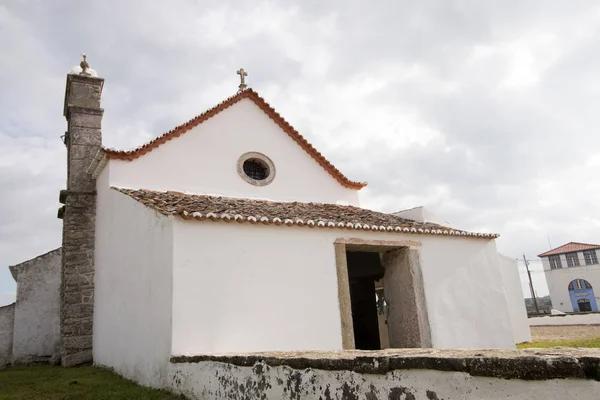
(7, 320)
(407, 374)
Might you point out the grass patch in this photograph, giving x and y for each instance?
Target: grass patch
(589, 343)
(82, 383)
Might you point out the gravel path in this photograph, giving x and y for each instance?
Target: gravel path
(565, 332)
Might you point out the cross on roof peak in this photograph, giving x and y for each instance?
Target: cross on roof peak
(243, 74)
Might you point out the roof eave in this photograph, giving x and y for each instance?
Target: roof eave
(554, 251)
(303, 222)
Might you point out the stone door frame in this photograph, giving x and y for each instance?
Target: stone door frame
(408, 320)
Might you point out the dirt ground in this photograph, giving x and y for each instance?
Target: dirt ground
(568, 332)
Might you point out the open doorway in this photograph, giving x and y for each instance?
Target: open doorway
(584, 305)
(364, 269)
(382, 299)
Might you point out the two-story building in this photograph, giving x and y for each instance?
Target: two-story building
(572, 273)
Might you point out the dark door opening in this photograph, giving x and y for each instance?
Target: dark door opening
(584, 305)
(363, 270)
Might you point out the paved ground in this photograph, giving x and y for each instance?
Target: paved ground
(565, 332)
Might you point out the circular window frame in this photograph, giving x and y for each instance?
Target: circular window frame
(258, 156)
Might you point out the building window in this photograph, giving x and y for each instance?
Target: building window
(572, 259)
(579, 284)
(590, 257)
(555, 262)
(256, 169)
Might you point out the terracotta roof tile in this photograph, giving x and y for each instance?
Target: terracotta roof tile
(263, 105)
(318, 215)
(569, 248)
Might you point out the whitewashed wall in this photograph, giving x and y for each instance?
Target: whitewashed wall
(558, 283)
(514, 298)
(132, 307)
(239, 287)
(465, 295)
(37, 325)
(204, 161)
(251, 288)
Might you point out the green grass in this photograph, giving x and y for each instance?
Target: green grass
(58, 383)
(595, 343)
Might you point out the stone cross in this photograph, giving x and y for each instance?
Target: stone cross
(243, 74)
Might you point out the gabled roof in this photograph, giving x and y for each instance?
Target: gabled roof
(314, 215)
(569, 248)
(267, 109)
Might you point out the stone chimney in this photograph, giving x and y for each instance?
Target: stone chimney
(83, 139)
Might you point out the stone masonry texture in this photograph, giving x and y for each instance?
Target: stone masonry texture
(84, 117)
(7, 318)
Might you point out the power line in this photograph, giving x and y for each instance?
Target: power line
(528, 261)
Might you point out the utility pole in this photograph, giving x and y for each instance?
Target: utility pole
(537, 310)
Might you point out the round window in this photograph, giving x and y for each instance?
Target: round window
(256, 168)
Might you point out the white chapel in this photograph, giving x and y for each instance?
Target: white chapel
(232, 233)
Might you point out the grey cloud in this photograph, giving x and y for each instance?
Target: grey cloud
(166, 63)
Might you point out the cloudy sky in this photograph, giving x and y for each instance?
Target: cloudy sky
(485, 112)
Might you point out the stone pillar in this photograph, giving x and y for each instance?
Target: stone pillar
(83, 140)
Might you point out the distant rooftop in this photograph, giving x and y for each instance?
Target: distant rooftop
(570, 248)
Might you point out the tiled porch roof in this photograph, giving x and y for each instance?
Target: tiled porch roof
(314, 215)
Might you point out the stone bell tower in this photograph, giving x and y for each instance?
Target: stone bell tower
(83, 139)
